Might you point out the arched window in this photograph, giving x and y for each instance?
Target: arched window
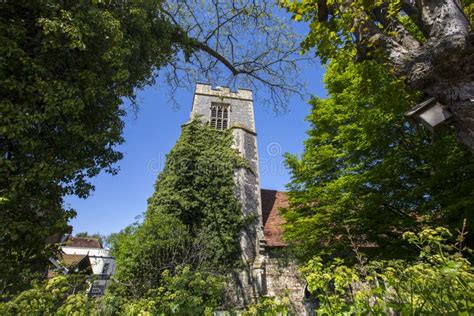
(219, 116)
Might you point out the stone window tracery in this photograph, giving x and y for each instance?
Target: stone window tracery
(219, 116)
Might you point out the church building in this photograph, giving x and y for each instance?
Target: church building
(266, 272)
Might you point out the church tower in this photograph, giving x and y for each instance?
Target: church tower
(263, 273)
(225, 109)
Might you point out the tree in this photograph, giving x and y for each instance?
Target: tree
(427, 43)
(193, 218)
(65, 69)
(183, 293)
(365, 170)
(60, 295)
(401, 287)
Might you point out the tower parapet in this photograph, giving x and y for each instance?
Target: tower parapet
(240, 105)
(207, 89)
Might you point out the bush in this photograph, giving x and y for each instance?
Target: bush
(440, 281)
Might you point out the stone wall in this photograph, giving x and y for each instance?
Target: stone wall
(241, 104)
(282, 280)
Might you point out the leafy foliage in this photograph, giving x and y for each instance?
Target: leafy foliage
(268, 306)
(65, 68)
(335, 25)
(440, 281)
(193, 218)
(61, 295)
(183, 293)
(340, 25)
(366, 170)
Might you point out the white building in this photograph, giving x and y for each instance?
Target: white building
(102, 264)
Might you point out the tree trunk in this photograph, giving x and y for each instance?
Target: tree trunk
(453, 85)
(442, 67)
(450, 80)
(463, 113)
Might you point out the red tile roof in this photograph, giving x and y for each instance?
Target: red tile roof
(272, 201)
(83, 242)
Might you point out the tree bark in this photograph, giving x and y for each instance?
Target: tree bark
(442, 66)
(448, 56)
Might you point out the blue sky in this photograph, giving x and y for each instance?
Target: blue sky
(150, 135)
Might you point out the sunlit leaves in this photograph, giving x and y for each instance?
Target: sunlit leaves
(380, 287)
(365, 168)
(342, 25)
(65, 70)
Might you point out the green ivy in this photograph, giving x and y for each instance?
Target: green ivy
(193, 217)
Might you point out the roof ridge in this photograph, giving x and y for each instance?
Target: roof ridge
(273, 190)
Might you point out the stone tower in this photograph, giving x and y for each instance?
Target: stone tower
(225, 109)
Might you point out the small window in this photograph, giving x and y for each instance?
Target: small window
(105, 268)
(97, 289)
(219, 116)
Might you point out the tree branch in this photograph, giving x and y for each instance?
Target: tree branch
(201, 46)
(245, 37)
(414, 14)
(393, 25)
(323, 11)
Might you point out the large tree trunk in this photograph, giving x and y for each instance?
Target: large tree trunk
(442, 66)
(453, 86)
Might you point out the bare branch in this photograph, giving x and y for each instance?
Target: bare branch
(240, 43)
(216, 55)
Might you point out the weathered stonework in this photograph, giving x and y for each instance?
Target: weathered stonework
(262, 275)
(282, 279)
(242, 124)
